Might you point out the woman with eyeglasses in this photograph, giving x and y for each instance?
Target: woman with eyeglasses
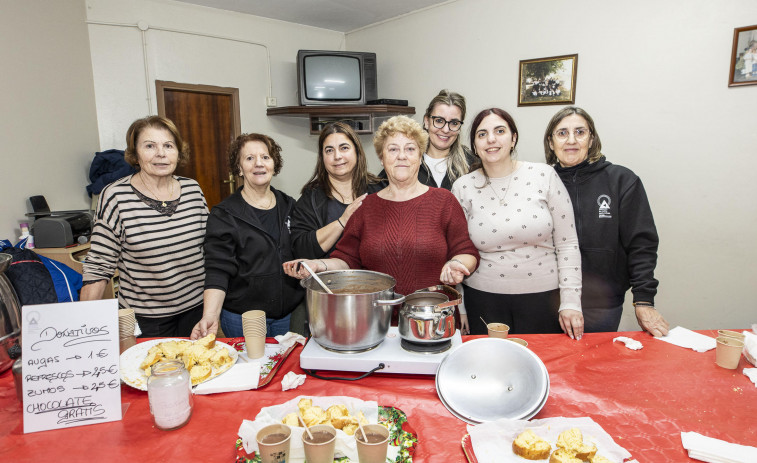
(445, 158)
(616, 231)
(521, 221)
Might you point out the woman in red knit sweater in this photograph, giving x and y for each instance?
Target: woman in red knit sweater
(413, 232)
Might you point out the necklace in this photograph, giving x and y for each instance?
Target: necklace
(344, 199)
(507, 189)
(502, 199)
(170, 194)
(255, 203)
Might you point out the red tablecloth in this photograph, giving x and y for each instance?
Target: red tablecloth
(643, 399)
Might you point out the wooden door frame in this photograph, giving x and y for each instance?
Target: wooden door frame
(162, 85)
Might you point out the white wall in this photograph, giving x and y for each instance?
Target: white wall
(120, 77)
(48, 126)
(654, 77)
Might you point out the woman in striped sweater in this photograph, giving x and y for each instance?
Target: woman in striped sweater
(150, 227)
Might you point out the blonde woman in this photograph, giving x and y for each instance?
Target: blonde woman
(445, 158)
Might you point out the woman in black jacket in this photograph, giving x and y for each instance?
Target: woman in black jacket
(337, 188)
(247, 239)
(616, 232)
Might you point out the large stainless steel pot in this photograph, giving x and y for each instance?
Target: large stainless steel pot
(428, 315)
(10, 315)
(357, 317)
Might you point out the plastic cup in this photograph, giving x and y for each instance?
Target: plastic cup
(255, 346)
(321, 449)
(373, 451)
(273, 443)
(498, 330)
(254, 330)
(732, 334)
(728, 352)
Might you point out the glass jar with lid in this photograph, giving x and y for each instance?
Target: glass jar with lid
(169, 391)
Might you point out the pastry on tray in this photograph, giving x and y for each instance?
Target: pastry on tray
(336, 415)
(199, 357)
(530, 446)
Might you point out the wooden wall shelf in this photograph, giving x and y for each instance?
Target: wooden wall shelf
(361, 118)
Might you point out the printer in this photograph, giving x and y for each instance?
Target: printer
(58, 229)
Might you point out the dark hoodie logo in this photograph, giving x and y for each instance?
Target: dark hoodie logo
(604, 201)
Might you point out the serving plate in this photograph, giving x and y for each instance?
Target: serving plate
(132, 357)
(468, 449)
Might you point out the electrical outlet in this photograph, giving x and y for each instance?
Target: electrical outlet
(270, 101)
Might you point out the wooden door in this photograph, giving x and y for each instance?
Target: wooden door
(208, 119)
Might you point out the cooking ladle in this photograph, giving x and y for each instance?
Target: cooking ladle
(315, 277)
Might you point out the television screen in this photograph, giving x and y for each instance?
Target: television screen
(332, 77)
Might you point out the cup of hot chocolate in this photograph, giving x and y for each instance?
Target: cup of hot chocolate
(273, 443)
(319, 449)
(373, 447)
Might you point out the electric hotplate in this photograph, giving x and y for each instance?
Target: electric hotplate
(389, 352)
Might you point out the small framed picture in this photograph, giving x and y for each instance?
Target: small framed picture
(546, 81)
(744, 57)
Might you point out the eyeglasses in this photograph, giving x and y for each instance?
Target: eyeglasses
(439, 122)
(580, 134)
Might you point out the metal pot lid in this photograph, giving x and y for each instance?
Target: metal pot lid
(476, 390)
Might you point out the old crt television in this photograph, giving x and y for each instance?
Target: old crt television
(336, 77)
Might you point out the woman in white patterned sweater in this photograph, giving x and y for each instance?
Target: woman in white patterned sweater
(150, 226)
(521, 220)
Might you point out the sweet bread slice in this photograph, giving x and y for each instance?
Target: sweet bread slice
(530, 446)
(572, 440)
(599, 459)
(564, 456)
(208, 341)
(199, 373)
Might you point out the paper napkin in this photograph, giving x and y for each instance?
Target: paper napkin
(751, 373)
(750, 347)
(243, 376)
(292, 380)
(630, 343)
(683, 337)
(287, 340)
(715, 450)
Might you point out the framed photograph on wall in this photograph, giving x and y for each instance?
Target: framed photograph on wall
(744, 57)
(545, 81)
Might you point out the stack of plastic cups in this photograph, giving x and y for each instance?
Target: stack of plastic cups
(127, 322)
(254, 329)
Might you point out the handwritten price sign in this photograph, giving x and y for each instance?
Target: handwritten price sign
(70, 364)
